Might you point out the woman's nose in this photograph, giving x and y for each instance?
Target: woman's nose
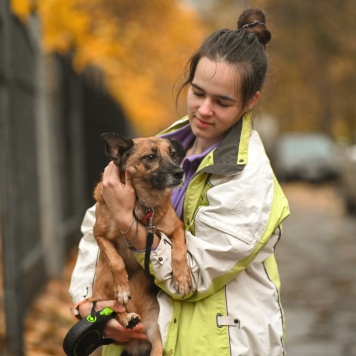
(206, 108)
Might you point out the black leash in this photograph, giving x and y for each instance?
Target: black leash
(151, 229)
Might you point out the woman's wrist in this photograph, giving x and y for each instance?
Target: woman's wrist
(131, 242)
(124, 222)
(134, 232)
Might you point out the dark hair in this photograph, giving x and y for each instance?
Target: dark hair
(243, 47)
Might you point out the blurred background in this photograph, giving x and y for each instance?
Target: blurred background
(72, 69)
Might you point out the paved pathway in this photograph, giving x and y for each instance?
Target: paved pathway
(317, 261)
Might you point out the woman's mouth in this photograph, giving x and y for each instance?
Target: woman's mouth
(201, 123)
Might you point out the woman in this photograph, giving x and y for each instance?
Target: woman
(231, 204)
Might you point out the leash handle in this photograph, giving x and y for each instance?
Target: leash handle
(87, 334)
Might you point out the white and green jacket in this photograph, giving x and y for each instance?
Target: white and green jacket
(233, 210)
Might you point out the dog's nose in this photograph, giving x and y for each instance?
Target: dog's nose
(178, 174)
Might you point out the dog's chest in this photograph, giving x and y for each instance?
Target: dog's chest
(130, 261)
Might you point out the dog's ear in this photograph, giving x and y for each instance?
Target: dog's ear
(116, 145)
(178, 147)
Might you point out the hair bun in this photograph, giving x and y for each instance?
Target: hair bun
(254, 20)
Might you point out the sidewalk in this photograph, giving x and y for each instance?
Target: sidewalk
(317, 261)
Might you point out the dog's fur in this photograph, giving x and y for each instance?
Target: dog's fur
(154, 170)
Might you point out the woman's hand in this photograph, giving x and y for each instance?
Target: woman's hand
(86, 306)
(119, 197)
(114, 330)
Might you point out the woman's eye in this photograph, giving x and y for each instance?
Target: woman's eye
(196, 93)
(224, 105)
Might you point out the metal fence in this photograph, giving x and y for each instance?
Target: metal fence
(50, 159)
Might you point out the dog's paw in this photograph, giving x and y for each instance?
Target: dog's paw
(131, 320)
(123, 295)
(182, 282)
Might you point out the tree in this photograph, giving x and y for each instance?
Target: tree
(312, 67)
(138, 45)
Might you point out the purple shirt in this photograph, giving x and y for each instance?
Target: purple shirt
(189, 165)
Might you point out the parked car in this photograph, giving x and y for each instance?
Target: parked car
(348, 179)
(306, 156)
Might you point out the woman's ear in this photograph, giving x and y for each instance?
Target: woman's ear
(253, 101)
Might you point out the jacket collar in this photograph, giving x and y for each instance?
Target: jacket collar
(231, 156)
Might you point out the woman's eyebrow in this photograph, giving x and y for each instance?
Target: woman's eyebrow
(224, 97)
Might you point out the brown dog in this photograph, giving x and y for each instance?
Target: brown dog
(155, 172)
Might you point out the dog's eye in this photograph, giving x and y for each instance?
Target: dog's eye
(150, 158)
(173, 154)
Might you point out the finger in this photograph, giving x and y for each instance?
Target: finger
(118, 308)
(111, 177)
(113, 304)
(136, 333)
(128, 178)
(114, 330)
(109, 166)
(85, 308)
(139, 328)
(107, 172)
(115, 173)
(128, 182)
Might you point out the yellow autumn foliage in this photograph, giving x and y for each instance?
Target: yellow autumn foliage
(141, 47)
(22, 8)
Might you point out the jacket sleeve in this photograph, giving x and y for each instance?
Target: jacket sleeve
(84, 270)
(237, 226)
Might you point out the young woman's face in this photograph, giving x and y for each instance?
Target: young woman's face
(212, 100)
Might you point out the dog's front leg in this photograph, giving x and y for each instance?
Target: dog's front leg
(117, 266)
(182, 279)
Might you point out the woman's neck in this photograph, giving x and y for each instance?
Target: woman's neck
(199, 145)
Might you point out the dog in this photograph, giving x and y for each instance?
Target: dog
(153, 165)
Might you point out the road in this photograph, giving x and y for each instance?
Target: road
(317, 262)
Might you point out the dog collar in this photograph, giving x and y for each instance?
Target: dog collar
(149, 215)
